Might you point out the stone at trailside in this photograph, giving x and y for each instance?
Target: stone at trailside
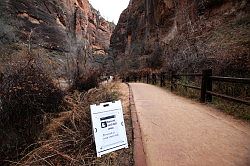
(108, 127)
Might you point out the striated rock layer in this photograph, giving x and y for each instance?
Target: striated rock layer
(58, 26)
(185, 35)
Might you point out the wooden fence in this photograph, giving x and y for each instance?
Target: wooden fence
(205, 87)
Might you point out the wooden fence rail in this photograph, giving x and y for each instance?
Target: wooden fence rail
(205, 87)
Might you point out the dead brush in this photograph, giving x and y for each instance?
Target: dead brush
(68, 139)
(26, 94)
(86, 81)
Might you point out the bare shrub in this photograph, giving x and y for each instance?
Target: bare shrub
(26, 94)
(87, 81)
(29, 87)
(68, 139)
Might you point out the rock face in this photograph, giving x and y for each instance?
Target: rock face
(186, 35)
(65, 26)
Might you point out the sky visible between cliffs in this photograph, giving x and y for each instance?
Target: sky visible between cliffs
(110, 9)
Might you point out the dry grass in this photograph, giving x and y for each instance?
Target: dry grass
(68, 139)
(46, 128)
(26, 94)
(237, 110)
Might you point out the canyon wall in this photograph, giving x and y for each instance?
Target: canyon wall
(58, 29)
(184, 36)
(44, 45)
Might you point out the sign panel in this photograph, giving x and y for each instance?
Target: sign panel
(108, 127)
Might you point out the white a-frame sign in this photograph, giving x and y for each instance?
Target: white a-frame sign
(108, 127)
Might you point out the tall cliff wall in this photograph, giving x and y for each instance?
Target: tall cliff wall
(65, 28)
(185, 35)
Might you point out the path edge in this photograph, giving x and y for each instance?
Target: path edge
(138, 149)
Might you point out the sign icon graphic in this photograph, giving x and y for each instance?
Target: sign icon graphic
(104, 124)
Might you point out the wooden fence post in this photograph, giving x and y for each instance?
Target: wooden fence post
(209, 85)
(147, 78)
(162, 77)
(135, 78)
(154, 78)
(206, 85)
(171, 80)
(127, 79)
(139, 78)
(150, 78)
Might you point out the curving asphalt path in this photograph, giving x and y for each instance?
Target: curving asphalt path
(180, 132)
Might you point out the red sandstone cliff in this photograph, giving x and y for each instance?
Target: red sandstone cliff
(61, 26)
(185, 35)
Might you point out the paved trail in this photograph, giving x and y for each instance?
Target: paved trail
(178, 131)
